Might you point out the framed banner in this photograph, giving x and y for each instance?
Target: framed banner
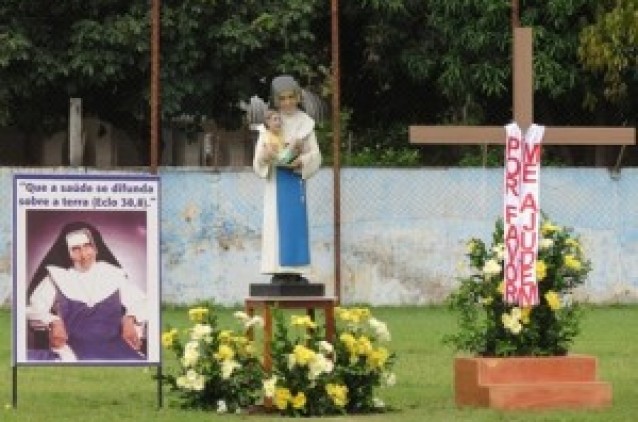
(86, 270)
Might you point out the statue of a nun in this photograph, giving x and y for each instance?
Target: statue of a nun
(285, 239)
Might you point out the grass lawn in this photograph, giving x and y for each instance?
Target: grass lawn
(424, 377)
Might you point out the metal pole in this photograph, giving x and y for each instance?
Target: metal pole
(336, 142)
(160, 391)
(14, 398)
(155, 82)
(155, 125)
(516, 20)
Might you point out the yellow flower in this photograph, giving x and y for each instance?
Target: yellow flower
(249, 350)
(471, 245)
(240, 340)
(501, 287)
(303, 355)
(361, 314)
(548, 228)
(573, 243)
(525, 314)
(354, 315)
(338, 394)
(197, 314)
(541, 270)
(282, 396)
(224, 352)
(347, 338)
(363, 346)
(169, 337)
(302, 321)
(572, 262)
(225, 336)
(378, 357)
(299, 400)
(553, 300)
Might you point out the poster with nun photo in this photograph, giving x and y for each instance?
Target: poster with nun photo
(86, 270)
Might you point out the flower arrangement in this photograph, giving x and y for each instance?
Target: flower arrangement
(490, 327)
(363, 360)
(217, 368)
(313, 377)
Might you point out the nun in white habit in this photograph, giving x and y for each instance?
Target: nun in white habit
(285, 239)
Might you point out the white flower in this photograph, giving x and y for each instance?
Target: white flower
(512, 321)
(378, 403)
(389, 379)
(499, 250)
(256, 321)
(228, 366)
(249, 321)
(325, 347)
(516, 313)
(201, 331)
(221, 406)
(269, 386)
(191, 354)
(546, 243)
(319, 365)
(241, 316)
(380, 329)
(181, 381)
(491, 267)
(194, 381)
(291, 361)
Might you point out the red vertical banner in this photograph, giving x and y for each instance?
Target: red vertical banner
(521, 211)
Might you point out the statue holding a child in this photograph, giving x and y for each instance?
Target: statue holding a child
(286, 155)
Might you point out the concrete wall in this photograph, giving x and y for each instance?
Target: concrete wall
(403, 231)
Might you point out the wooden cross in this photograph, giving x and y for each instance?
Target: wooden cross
(523, 106)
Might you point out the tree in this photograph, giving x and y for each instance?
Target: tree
(213, 53)
(402, 61)
(450, 62)
(609, 46)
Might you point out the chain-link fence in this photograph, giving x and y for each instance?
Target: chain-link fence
(403, 232)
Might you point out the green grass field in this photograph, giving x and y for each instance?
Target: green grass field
(424, 377)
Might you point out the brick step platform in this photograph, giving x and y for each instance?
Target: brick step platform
(530, 383)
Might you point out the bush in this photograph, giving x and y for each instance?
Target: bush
(313, 377)
(218, 368)
(490, 327)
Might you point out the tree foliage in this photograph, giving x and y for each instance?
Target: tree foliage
(610, 46)
(403, 62)
(213, 52)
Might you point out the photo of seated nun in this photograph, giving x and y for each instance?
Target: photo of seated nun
(83, 296)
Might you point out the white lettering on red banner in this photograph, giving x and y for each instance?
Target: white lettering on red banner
(521, 214)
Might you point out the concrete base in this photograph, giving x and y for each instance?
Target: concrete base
(530, 383)
(286, 289)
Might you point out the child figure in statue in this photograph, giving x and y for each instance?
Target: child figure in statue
(285, 237)
(284, 152)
